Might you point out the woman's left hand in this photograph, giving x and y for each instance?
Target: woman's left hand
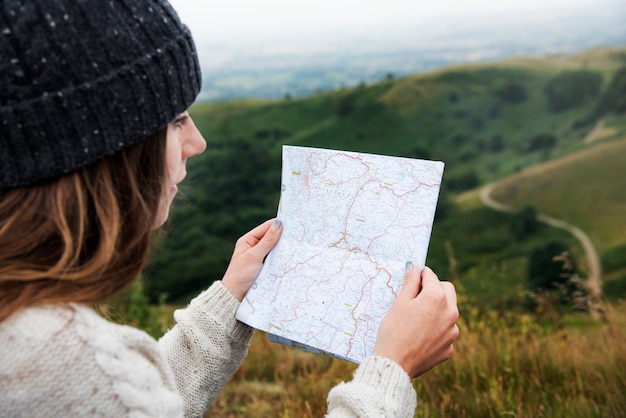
(250, 251)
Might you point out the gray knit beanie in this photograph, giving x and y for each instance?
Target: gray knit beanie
(81, 79)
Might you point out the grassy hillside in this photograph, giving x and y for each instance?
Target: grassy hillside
(587, 189)
(451, 115)
(504, 365)
(485, 122)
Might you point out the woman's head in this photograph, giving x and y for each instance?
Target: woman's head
(81, 79)
(88, 93)
(84, 236)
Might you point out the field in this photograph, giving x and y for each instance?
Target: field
(493, 122)
(585, 188)
(551, 365)
(565, 188)
(507, 365)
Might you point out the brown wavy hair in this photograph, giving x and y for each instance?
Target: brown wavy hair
(82, 237)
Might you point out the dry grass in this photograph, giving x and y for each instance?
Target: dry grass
(504, 365)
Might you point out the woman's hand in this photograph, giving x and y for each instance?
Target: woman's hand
(420, 327)
(250, 251)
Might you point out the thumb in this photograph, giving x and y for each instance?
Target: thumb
(268, 241)
(412, 282)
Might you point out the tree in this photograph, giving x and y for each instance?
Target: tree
(463, 182)
(543, 142)
(554, 281)
(614, 98)
(495, 143)
(344, 105)
(572, 88)
(512, 92)
(524, 222)
(547, 268)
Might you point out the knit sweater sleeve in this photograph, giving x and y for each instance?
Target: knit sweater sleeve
(206, 347)
(380, 388)
(64, 360)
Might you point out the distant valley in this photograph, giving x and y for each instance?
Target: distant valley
(301, 65)
(486, 121)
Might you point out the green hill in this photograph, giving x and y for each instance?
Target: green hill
(587, 189)
(484, 121)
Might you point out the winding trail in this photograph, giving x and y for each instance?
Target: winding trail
(593, 260)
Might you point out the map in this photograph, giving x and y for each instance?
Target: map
(351, 221)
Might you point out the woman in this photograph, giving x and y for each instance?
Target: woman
(94, 138)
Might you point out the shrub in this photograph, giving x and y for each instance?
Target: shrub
(547, 269)
(495, 143)
(541, 142)
(524, 222)
(512, 92)
(463, 182)
(614, 98)
(344, 105)
(614, 258)
(572, 88)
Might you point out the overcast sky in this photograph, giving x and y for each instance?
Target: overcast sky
(218, 20)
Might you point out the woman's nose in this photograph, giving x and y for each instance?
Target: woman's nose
(195, 142)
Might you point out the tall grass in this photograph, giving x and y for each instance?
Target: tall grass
(551, 364)
(512, 366)
(504, 365)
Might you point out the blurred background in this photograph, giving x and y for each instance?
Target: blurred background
(272, 48)
(524, 101)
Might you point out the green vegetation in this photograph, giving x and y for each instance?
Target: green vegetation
(505, 364)
(572, 88)
(524, 222)
(485, 122)
(587, 189)
(614, 99)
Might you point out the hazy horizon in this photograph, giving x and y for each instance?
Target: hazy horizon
(277, 47)
(250, 20)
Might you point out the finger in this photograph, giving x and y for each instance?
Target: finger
(450, 292)
(259, 231)
(251, 238)
(412, 282)
(429, 278)
(268, 240)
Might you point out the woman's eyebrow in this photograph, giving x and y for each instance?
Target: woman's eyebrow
(181, 118)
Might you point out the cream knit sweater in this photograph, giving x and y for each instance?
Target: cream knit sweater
(67, 361)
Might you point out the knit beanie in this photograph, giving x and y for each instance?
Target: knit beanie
(82, 79)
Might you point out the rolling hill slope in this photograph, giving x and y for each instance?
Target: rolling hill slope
(485, 122)
(586, 188)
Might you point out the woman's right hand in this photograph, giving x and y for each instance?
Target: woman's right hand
(420, 327)
(247, 260)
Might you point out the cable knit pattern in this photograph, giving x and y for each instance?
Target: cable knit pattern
(380, 388)
(206, 347)
(67, 361)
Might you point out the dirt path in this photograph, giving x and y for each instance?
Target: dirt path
(595, 267)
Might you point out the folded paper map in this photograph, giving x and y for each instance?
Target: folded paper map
(351, 221)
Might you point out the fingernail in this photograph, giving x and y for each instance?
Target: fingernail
(409, 266)
(277, 224)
